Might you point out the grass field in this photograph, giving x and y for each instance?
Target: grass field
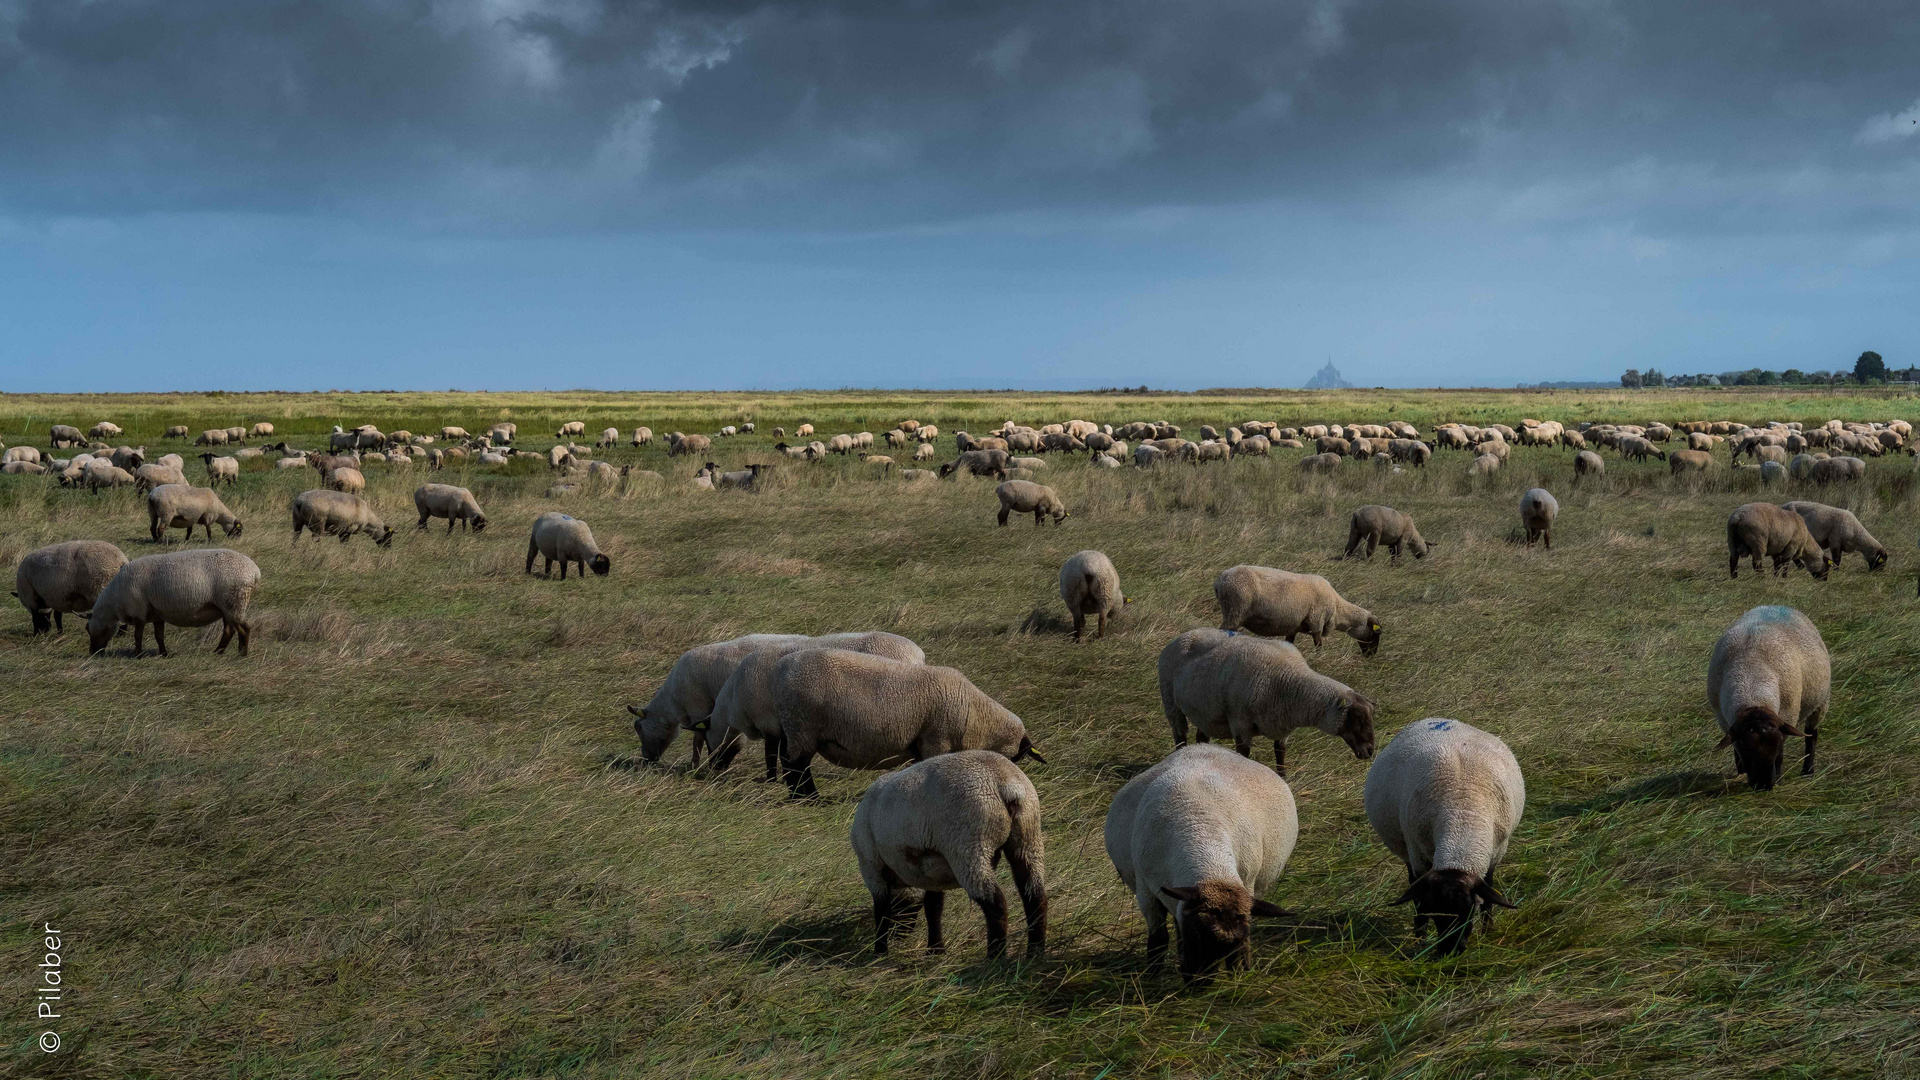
(410, 835)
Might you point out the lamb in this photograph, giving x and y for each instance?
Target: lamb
(171, 505)
(1275, 603)
(221, 469)
(1770, 680)
(1445, 797)
(559, 538)
(1538, 508)
(1320, 463)
(336, 512)
(1237, 686)
(345, 479)
(744, 705)
(1837, 531)
(943, 824)
(1025, 496)
(1760, 528)
(185, 588)
(1202, 834)
(1378, 525)
(1090, 586)
(64, 577)
(64, 435)
(870, 712)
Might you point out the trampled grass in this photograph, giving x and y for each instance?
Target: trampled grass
(410, 835)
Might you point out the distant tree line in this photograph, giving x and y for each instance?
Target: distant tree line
(1871, 368)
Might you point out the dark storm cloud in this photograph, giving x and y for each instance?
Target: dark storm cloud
(537, 113)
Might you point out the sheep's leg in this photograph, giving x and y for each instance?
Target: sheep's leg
(993, 904)
(1157, 937)
(1806, 763)
(139, 637)
(1039, 518)
(1003, 515)
(1373, 545)
(160, 635)
(1546, 537)
(774, 746)
(59, 625)
(1733, 565)
(1080, 623)
(882, 921)
(1280, 757)
(245, 633)
(226, 635)
(799, 776)
(934, 903)
(532, 551)
(1102, 632)
(1244, 744)
(1033, 899)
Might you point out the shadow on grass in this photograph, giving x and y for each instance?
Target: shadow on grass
(845, 940)
(1674, 785)
(1047, 621)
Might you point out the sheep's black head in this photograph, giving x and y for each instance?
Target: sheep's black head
(1369, 637)
(1027, 750)
(1216, 925)
(1759, 740)
(1451, 898)
(601, 564)
(233, 529)
(1356, 723)
(386, 538)
(478, 522)
(1876, 558)
(1818, 568)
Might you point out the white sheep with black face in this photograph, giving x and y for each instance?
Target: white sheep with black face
(1770, 680)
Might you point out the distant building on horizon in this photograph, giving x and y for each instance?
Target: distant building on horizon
(1328, 378)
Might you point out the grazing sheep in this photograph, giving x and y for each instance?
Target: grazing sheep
(128, 458)
(1760, 528)
(571, 429)
(1147, 454)
(803, 431)
(185, 588)
(690, 445)
(869, 712)
(1769, 681)
(1233, 685)
(1801, 467)
(1090, 586)
(454, 433)
(642, 436)
(28, 454)
(1538, 508)
(1445, 797)
(178, 505)
(340, 514)
(943, 824)
(104, 430)
(261, 430)
(557, 458)
(1202, 834)
(212, 437)
(154, 474)
(64, 435)
(64, 577)
(1697, 461)
(1484, 465)
(923, 452)
(1377, 525)
(1773, 473)
(685, 699)
(221, 469)
(108, 476)
(1837, 532)
(1837, 470)
(1588, 463)
(993, 463)
(1635, 448)
(345, 479)
(1276, 603)
(744, 705)
(23, 468)
(918, 474)
(609, 437)
(1025, 496)
(559, 538)
(1320, 463)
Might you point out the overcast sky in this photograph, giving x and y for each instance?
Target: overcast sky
(255, 194)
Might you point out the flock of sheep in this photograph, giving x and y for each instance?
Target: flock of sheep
(1202, 835)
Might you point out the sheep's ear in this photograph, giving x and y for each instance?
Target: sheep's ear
(1790, 731)
(641, 713)
(1725, 741)
(1265, 910)
(1492, 896)
(1183, 893)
